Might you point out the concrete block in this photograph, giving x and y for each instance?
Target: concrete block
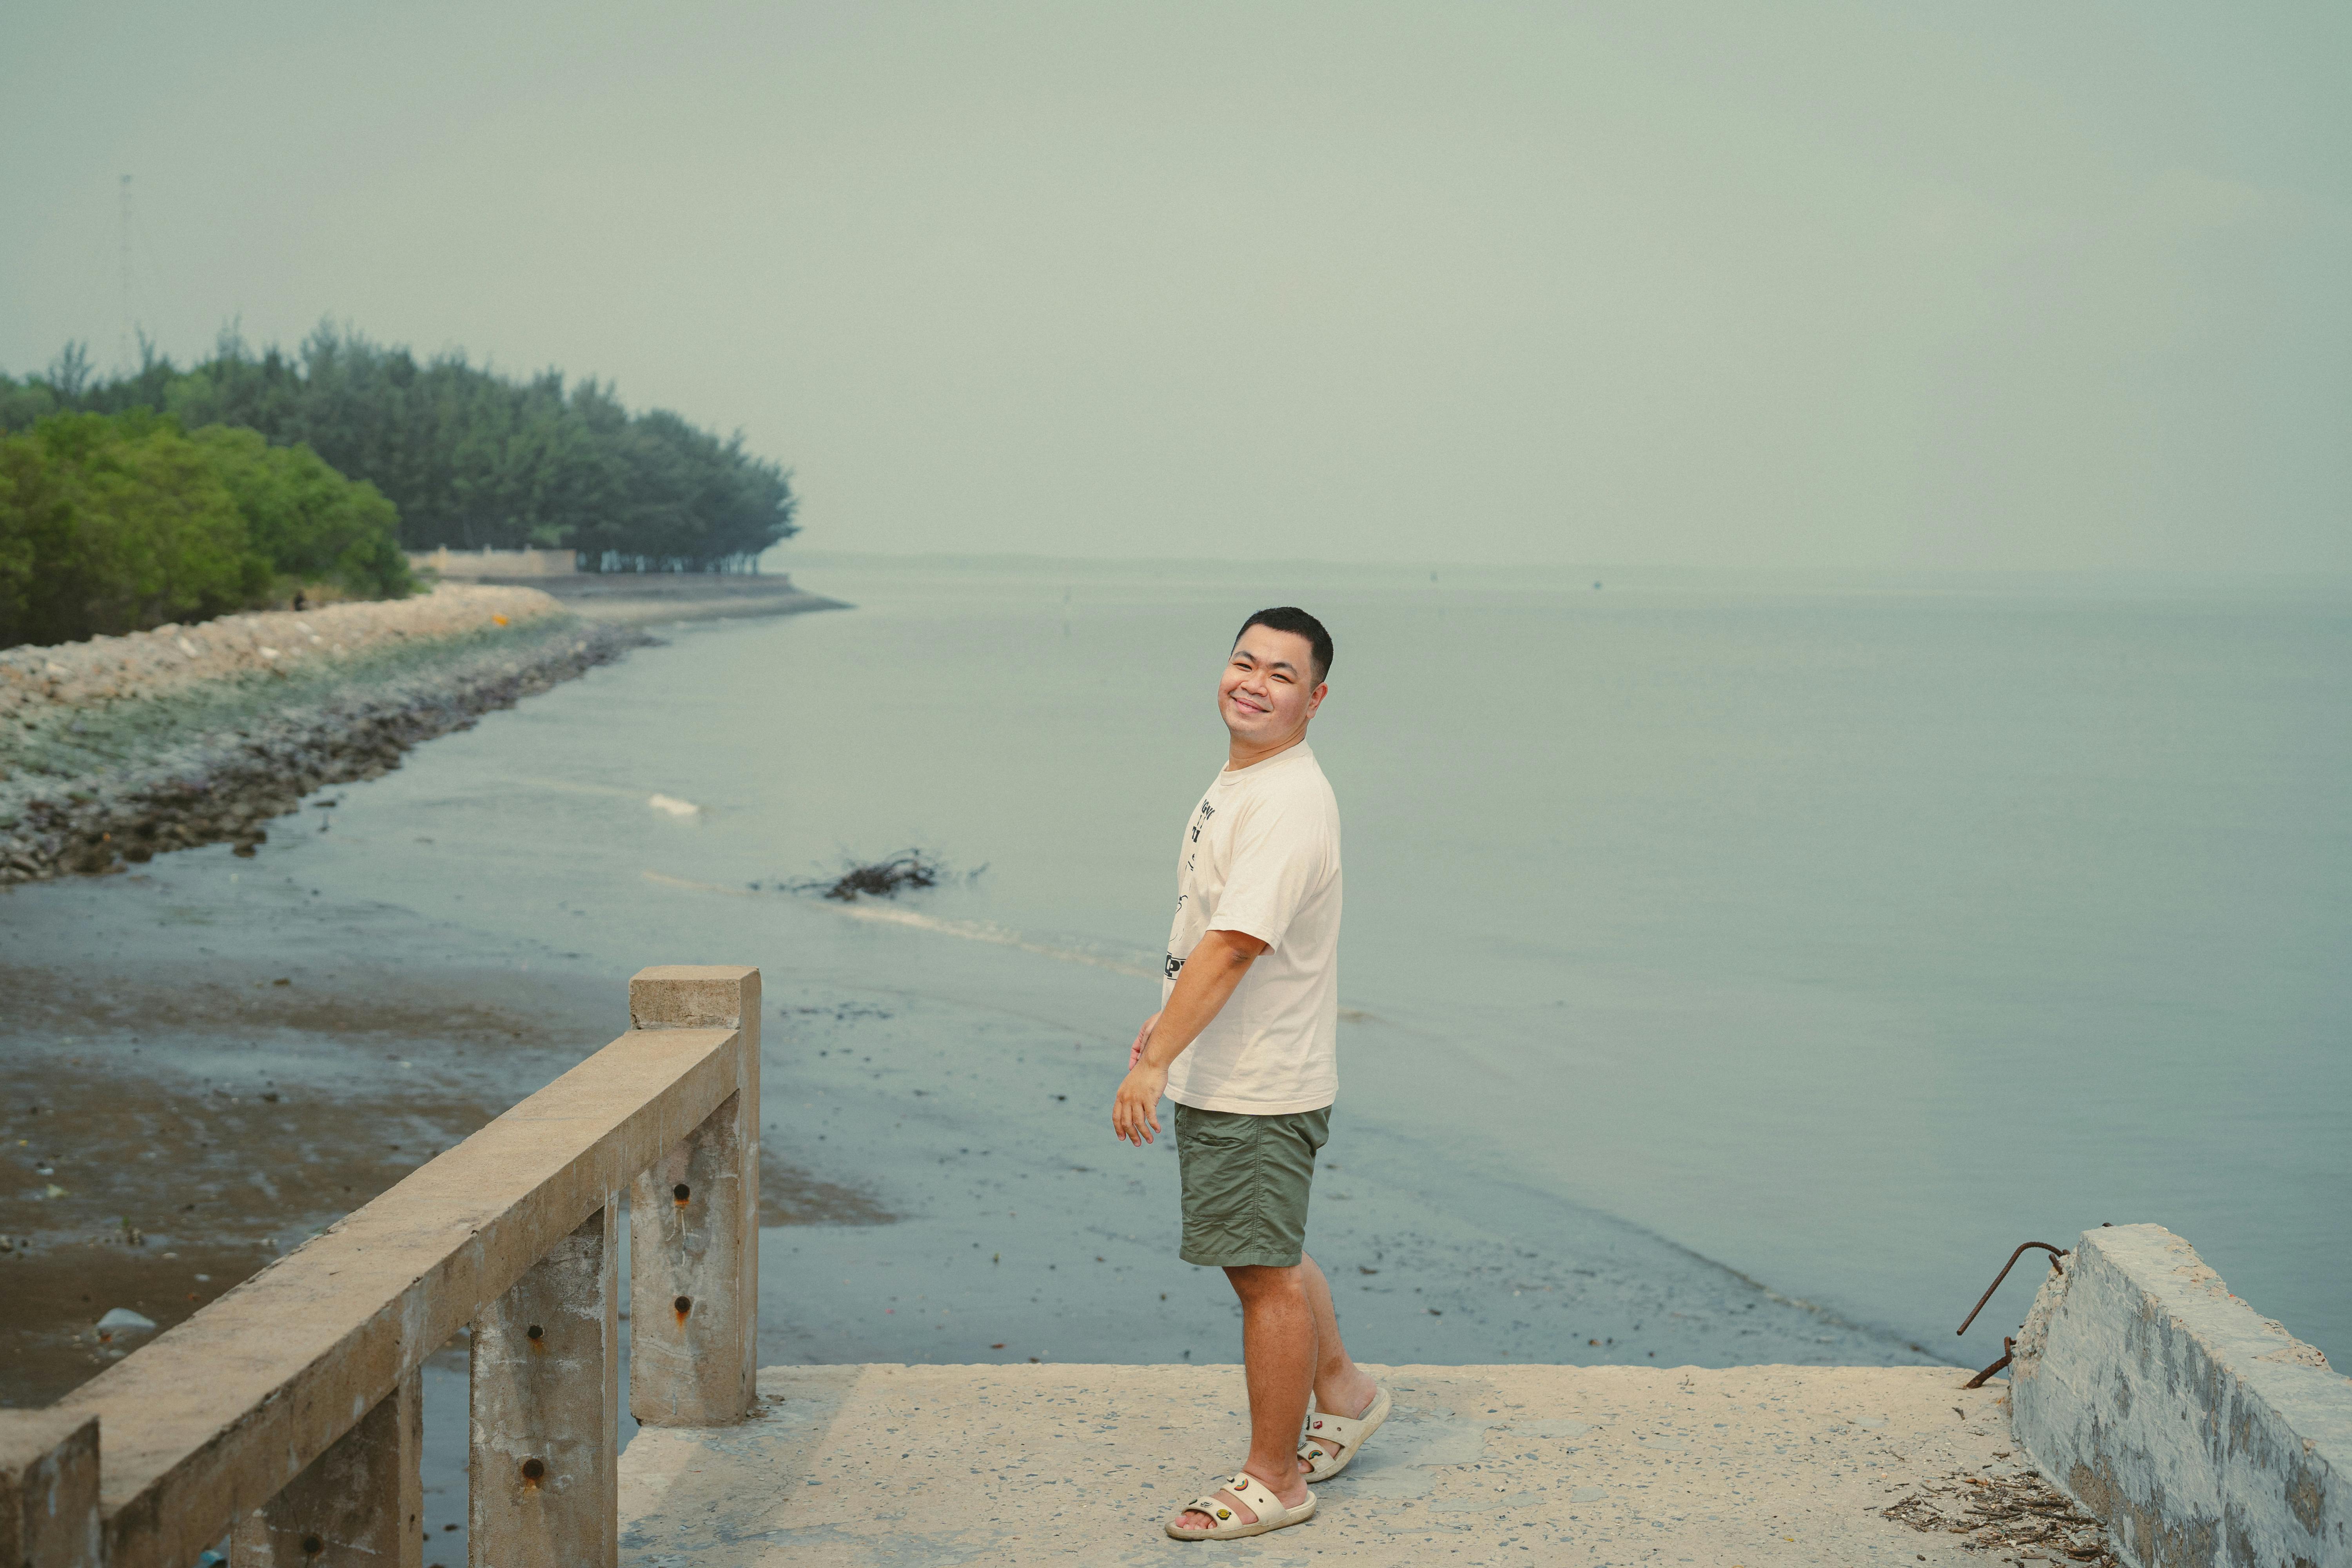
(2200, 1432)
(49, 1490)
(361, 1504)
(694, 996)
(542, 1481)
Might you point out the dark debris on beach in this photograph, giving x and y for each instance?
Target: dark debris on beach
(884, 878)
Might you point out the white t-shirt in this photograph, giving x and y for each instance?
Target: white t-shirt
(1261, 854)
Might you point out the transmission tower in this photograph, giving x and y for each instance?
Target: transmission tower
(123, 351)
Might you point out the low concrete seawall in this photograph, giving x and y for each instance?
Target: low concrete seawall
(2200, 1432)
(644, 598)
(456, 564)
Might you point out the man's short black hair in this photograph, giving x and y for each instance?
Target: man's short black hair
(1291, 619)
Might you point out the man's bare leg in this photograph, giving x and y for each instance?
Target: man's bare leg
(1279, 1356)
(1341, 1388)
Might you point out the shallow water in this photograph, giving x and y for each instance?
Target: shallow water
(1847, 934)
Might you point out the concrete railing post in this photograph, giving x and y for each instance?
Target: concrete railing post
(544, 1475)
(49, 1490)
(693, 1222)
(361, 1503)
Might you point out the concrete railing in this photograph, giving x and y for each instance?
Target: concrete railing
(287, 1415)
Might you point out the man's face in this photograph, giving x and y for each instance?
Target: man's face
(1268, 691)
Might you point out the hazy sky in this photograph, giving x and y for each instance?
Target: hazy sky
(1985, 286)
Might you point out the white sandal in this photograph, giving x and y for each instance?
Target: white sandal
(1346, 1435)
(1271, 1515)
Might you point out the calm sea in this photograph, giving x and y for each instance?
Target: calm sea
(1845, 933)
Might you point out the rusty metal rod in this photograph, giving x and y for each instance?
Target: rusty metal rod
(2008, 1349)
(2055, 1254)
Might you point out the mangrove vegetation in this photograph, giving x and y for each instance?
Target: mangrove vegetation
(171, 493)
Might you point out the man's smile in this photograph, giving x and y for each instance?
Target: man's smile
(1260, 695)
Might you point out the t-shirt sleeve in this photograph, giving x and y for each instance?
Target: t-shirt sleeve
(1280, 854)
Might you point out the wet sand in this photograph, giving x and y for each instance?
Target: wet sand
(211, 1059)
(170, 1124)
(189, 1088)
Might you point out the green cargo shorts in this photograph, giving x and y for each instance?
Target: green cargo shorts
(1245, 1183)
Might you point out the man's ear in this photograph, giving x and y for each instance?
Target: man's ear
(1315, 698)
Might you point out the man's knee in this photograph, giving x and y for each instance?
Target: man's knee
(1263, 1282)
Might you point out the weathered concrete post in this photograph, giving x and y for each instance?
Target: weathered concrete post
(544, 1471)
(694, 1221)
(49, 1490)
(361, 1503)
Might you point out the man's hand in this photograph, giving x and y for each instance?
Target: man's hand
(1217, 964)
(1135, 1114)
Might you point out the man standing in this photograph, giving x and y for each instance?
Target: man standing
(1246, 1043)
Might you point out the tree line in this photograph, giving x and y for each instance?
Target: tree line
(115, 523)
(467, 456)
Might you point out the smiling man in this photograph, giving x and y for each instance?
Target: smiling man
(1246, 1043)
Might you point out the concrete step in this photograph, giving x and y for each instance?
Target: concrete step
(920, 1464)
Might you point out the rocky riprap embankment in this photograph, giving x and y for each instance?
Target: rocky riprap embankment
(117, 749)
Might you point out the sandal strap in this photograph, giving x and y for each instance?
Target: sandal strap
(1345, 1434)
(1338, 1429)
(1253, 1492)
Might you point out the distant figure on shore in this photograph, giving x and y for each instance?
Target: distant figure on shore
(1246, 1043)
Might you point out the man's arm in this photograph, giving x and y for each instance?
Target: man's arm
(1206, 983)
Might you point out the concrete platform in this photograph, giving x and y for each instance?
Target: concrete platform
(917, 1465)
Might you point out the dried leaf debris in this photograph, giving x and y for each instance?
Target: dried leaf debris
(2019, 1516)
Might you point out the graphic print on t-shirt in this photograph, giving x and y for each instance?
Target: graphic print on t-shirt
(1260, 855)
